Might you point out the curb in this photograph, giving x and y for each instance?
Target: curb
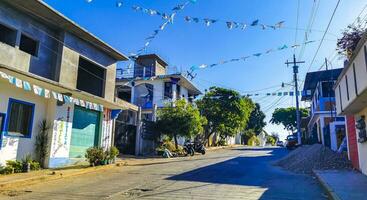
(332, 195)
(50, 177)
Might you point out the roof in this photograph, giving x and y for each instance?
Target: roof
(47, 14)
(183, 81)
(153, 56)
(312, 79)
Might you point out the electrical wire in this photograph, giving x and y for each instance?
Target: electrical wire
(323, 37)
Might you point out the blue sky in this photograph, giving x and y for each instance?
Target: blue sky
(184, 44)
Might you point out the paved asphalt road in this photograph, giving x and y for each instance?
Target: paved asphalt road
(237, 173)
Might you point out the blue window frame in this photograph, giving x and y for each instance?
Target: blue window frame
(19, 120)
(2, 122)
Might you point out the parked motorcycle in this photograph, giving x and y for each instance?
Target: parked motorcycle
(199, 147)
(189, 148)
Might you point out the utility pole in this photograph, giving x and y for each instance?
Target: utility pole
(298, 115)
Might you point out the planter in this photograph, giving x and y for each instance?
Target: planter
(26, 167)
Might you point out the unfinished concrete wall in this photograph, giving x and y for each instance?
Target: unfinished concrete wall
(43, 64)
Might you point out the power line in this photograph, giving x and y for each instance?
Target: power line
(323, 37)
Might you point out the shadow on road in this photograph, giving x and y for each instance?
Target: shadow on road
(256, 170)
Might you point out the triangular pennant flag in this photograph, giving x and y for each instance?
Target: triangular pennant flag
(165, 16)
(207, 22)
(308, 42)
(212, 65)
(47, 93)
(67, 99)
(27, 86)
(3, 75)
(229, 25)
(118, 4)
(152, 12)
(255, 23)
(291, 93)
(279, 24)
(76, 102)
(196, 20)
(11, 79)
(171, 18)
(285, 93)
(178, 7)
(283, 47)
(203, 66)
(188, 19)
(280, 93)
(54, 95)
(18, 83)
(263, 26)
(257, 54)
(295, 46)
(82, 103)
(137, 8)
(243, 26)
(270, 50)
(60, 97)
(268, 94)
(38, 90)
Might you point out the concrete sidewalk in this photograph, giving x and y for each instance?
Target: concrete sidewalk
(343, 184)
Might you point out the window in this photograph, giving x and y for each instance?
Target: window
(8, 35)
(91, 77)
(355, 79)
(178, 92)
(28, 45)
(167, 90)
(340, 99)
(20, 118)
(365, 56)
(346, 85)
(327, 89)
(2, 119)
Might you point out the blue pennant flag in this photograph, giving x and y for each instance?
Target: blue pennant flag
(255, 23)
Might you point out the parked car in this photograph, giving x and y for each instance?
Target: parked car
(280, 143)
(291, 142)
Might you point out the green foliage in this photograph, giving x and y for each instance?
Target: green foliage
(253, 141)
(182, 119)
(17, 166)
(270, 140)
(114, 152)
(247, 134)
(35, 165)
(287, 117)
(42, 146)
(256, 121)
(226, 110)
(6, 170)
(95, 155)
(27, 159)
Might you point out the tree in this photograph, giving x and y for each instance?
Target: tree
(287, 117)
(226, 110)
(182, 119)
(255, 124)
(351, 36)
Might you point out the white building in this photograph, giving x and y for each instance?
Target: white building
(152, 87)
(351, 100)
(51, 69)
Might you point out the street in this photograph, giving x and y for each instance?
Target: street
(236, 173)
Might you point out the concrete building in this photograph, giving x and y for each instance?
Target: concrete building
(151, 87)
(351, 100)
(51, 69)
(324, 126)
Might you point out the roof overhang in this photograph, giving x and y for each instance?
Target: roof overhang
(47, 14)
(57, 87)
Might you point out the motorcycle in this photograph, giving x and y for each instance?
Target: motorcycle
(189, 148)
(199, 147)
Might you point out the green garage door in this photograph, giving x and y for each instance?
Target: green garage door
(85, 131)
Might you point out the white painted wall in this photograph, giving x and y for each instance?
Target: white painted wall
(9, 148)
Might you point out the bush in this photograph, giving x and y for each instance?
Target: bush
(94, 155)
(6, 170)
(35, 165)
(270, 140)
(253, 141)
(114, 152)
(15, 165)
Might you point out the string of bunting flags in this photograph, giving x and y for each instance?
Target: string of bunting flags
(279, 94)
(244, 58)
(169, 19)
(46, 93)
(231, 24)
